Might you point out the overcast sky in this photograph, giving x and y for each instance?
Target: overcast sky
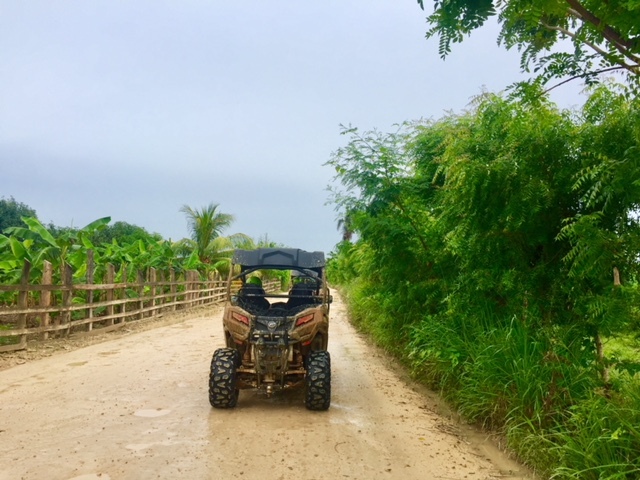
(131, 109)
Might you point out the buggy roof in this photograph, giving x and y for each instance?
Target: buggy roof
(279, 258)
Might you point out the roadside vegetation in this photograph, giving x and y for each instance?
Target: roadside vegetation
(496, 252)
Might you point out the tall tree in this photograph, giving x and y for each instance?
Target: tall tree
(11, 213)
(345, 226)
(206, 226)
(604, 34)
(124, 233)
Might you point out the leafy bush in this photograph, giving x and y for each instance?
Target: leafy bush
(496, 251)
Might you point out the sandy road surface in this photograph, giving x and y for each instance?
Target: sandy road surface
(136, 407)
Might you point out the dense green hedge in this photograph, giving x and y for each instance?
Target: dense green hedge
(497, 253)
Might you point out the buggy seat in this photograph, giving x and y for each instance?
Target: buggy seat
(251, 298)
(302, 294)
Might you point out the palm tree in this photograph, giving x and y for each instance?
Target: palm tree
(205, 227)
(345, 225)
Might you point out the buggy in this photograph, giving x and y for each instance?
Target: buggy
(274, 341)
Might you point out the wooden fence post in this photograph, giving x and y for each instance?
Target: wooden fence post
(151, 278)
(187, 289)
(23, 301)
(45, 295)
(140, 280)
(109, 278)
(67, 294)
(192, 287)
(174, 289)
(163, 289)
(196, 288)
(90, 270)
(123, 280)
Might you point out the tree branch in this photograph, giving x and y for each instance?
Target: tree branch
(623, 45)
(573, 35)
(582, 75)
(631, 68)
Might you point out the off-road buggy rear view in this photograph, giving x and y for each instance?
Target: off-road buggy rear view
(274, 341)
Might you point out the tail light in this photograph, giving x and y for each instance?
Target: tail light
(303, 320)
(240, 318)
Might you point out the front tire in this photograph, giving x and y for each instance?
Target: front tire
(318, 381)
(223, 391)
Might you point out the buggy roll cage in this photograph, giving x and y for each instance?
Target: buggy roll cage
(310, 264)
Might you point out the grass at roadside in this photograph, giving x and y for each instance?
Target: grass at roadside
(538, 388)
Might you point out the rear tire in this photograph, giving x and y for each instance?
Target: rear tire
(223, 391)
(318, 381)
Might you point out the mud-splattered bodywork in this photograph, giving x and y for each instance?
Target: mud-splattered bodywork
(275, 332)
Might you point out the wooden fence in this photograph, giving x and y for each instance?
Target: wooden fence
(46, 309)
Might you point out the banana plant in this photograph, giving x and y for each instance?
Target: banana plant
(36, 244)
(140, 255)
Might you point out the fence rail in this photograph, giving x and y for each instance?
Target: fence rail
(45, 310)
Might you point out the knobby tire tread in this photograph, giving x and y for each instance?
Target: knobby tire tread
(223, 391)
(318, 381)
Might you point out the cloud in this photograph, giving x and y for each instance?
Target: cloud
(133, 109)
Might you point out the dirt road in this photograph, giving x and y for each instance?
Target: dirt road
(136, 407)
